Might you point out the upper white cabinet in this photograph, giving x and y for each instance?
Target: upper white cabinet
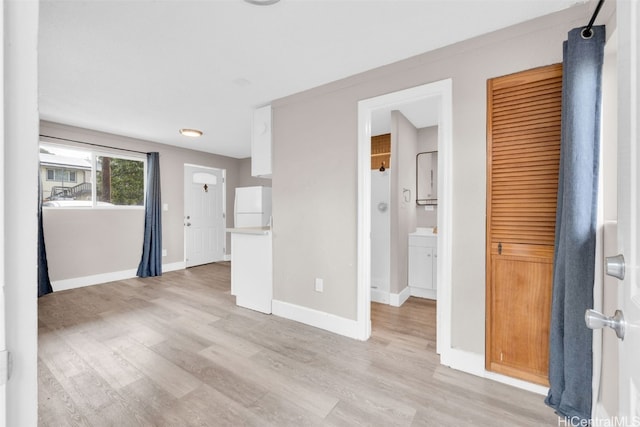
(261, 142)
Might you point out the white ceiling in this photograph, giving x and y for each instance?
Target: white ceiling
(145, 68)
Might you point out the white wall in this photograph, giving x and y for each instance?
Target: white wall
(111, 240)
(404, 146)
(380, 235)
(19, 203)
(315, 169)
(87, 242)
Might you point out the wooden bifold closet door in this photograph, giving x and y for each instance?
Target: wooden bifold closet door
(523, 156)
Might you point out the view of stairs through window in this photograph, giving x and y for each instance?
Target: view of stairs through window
(78, 192)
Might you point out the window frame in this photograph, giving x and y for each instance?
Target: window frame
(62, 171)
(93, 155)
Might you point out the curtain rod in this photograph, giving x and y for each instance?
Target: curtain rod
(587, 33)
(90, 143)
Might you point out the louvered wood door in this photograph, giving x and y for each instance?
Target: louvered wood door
(523, 156)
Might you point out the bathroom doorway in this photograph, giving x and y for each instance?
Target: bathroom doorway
(435, 102)
(403, 221)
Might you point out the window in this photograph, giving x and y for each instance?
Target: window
(74, 177)
(61, 175)
(120, 181)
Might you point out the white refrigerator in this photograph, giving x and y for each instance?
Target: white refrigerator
(252, 207)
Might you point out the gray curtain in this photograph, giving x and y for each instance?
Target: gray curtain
(44, 283)
(570, 358)
(151, 262)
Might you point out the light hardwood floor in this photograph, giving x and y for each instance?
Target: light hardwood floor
(176, 351)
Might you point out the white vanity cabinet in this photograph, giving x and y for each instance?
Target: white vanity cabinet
(423, 254)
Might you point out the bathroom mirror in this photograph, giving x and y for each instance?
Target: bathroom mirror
(427, 178)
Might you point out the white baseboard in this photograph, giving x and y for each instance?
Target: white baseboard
(473, 363)
(379, 296)
(174, 266)
(397, 300)
(424, 293)
(319, 319)
(97, 279)
(227, 257)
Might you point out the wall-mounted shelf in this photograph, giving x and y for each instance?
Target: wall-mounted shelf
(427, 202)
(381, 151)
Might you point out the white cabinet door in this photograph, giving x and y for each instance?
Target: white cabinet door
(251, 271)
(261, 142)
(421, 267)
(423, 252)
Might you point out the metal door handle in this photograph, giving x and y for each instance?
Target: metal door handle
(596, 320)
(615, 266)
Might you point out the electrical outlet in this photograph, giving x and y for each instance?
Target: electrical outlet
(319, 285)
(164, 252)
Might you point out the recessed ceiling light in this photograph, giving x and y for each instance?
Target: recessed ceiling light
(193, 133)
(262, 2)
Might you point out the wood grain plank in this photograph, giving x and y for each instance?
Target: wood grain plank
(247, 368)
(116, 371)
(55, 406)
(306, 397)
(166, 374)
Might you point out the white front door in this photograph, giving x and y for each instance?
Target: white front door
(628, 17)
(204, 215)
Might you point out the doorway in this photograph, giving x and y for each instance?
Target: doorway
(204, 215)
(438, 95)
(403, 243)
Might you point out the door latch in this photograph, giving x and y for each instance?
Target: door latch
(597, 320)
(615, 266)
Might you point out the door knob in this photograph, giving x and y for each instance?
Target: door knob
(188, 224)
(596, 320)
(615, 266)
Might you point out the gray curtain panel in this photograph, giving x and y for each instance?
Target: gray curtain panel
(151, 262)
(570, 361)
(44, 283)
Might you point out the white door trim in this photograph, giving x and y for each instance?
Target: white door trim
(440, 92)
(628, 19)
(19, 161)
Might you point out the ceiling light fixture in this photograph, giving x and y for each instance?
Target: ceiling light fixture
(193, 133)
(262, 2)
